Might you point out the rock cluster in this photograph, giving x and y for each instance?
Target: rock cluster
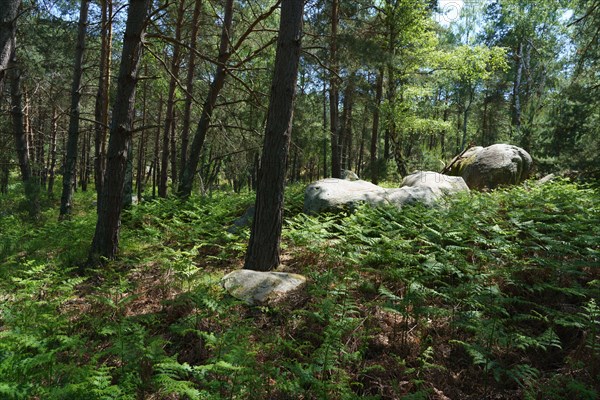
(338, 194)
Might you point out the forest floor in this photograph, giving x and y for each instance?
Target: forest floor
(488, 296)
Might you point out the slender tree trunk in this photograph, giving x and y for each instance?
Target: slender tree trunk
(466, 119)
(66, 201)
(361, 151)
(85, 146)
(517, 92)
(128, 186)
(141, 160)
(325, 130)
(29, 182)
(101, 109)
(346, 132)
(52, 166)
(106, 237)
(375, 130)
(156, 163)
(8, 28)
(169, 131)
(187, 112)
(263, 249)
(336, 148)
(40, 143)
(187, 178)
(173, 152)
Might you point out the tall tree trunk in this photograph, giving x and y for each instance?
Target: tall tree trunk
(156, 162)
(325, 130)
(517, 92)
(463, 142)
(375, 130)
(29, 182)
(8, 28)
(128, 186)
(346, 131)
(52, 157)
(141, 164)
(101, 108)
(66, 201)
(361, 149)
(265, 237)
(336, 148)
(187, 178)
(106, 237)
(169, 131)
(189, 86)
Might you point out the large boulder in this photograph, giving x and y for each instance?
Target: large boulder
(338, 194)
(489, 167)
(438, 183)
(263, 288)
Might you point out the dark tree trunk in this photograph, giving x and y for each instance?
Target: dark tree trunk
(336, 145)
(263, 249)
(189, 86)
(187, 178)
(101, 109)
(8, 28)
(66, 201)
(110, 202)
(375, 130)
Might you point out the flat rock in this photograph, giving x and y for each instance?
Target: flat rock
(262, 288)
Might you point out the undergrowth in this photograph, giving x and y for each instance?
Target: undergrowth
(491, 295)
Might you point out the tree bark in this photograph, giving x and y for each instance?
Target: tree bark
(106, 237)
(141, 160)
(517, 91)
(66, 201)
(263, 249)
(336, 150)
(156, 162)
(168, 148)
(187, 178)
(29, 183)
(187, 113)
(52, 157)
(8, 29)
(325, 130)
(101, 108)
(375, 130)
(346, 131)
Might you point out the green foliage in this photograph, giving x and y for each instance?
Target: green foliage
(498, 288)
